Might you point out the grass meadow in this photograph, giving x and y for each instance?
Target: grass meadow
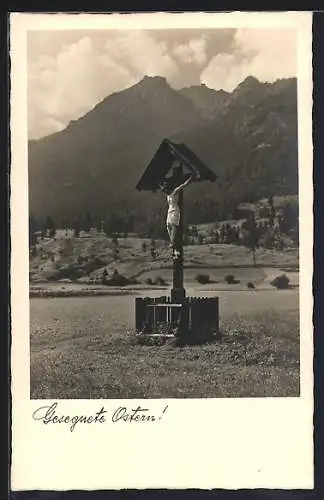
(84, 348)
(82, 340)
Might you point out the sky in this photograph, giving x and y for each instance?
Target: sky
(69, 72)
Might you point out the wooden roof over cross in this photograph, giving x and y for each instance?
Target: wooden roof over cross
(163, 161)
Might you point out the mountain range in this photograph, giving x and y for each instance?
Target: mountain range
(247, 137)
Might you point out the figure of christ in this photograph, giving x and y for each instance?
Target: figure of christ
(173, 215)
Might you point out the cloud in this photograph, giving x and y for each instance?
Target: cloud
(142, 54)
(66, 85)
(192, 52)
(267, 54)
(69, 72)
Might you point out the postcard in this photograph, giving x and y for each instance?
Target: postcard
(161, 251)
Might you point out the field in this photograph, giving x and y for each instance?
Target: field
(83, 347)
(82, 334)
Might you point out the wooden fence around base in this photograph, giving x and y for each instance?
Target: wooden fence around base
(193, 317)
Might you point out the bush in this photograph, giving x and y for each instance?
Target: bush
(267, 240)
(115, 280)
(118, 280)
(93, 264)
(230, 279)
(203, 279)
(280, 282)
(264, 212)
(71, 272)
(104, 277)
(160, 281)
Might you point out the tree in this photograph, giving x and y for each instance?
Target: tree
(264, 213)
(31, 229)
(252, 237)
(87, 224)
(222, 234)
(76, 228)
(280, 244)
(237, 235)
(104, 277)
(294, 234)
(114, 224)
(153, 250)
(153, 253)
(289, 217)
(194, 231)
(50, 226)
(232, 235)
(100, 226)
(116, 251)
(185, 234)
(227, 233)
(32, 236)
(268, 239)
(272, 210)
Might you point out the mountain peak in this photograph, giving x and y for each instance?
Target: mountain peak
(94, 165)
(149, 81)
(156, 78)
(249, 92)
(249, 82)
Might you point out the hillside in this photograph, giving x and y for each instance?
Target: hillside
(84, 259)
(249, 139)
(96, 160)
(253, 146)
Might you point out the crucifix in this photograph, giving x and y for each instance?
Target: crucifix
(179, 159)
(149, 311)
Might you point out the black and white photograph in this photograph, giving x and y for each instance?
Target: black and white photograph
(163, 210)
(163, 213)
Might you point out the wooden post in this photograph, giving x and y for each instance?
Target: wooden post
(178, 293)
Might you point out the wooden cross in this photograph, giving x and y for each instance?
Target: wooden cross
(156, 171)
(178, 292)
